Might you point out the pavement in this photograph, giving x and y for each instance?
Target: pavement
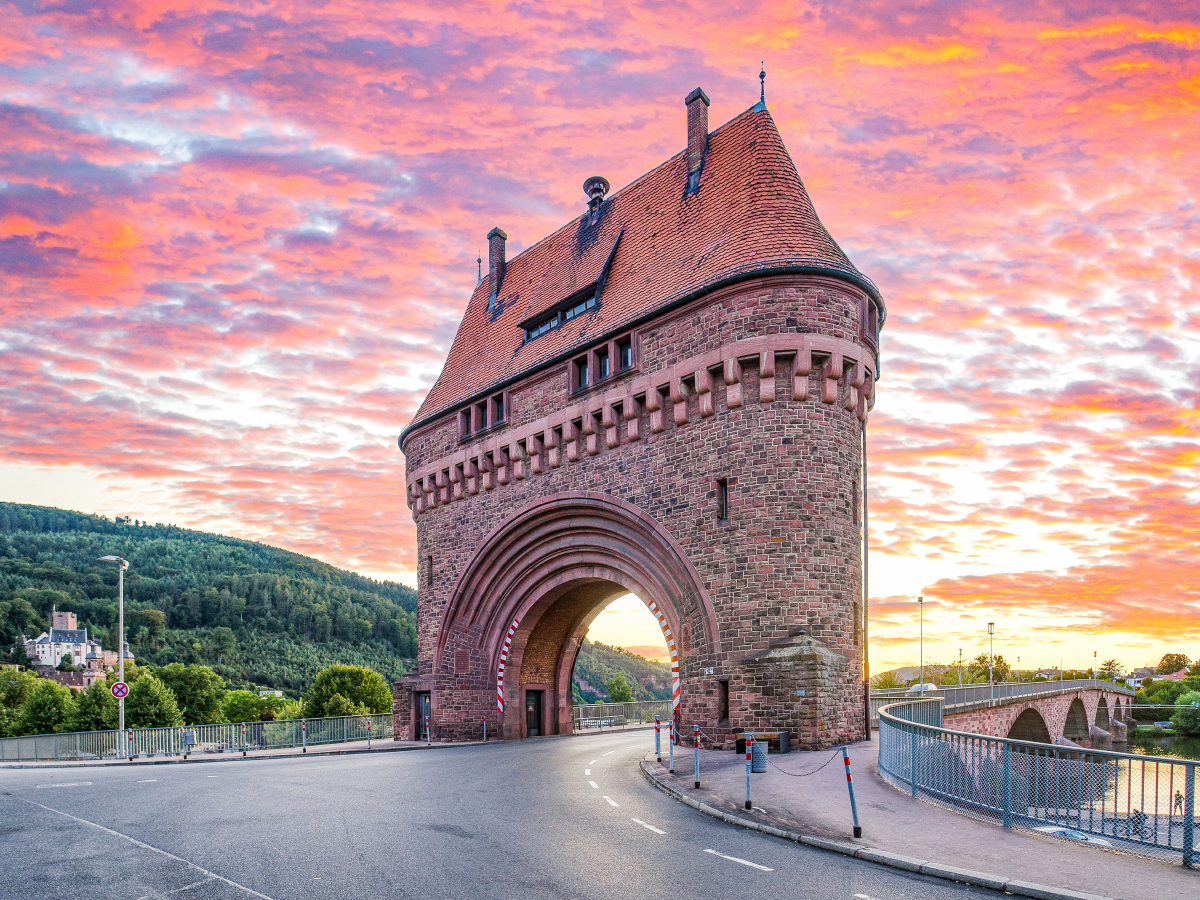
(548, 817)
(797, 796)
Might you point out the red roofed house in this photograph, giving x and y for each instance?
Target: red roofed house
(668, 396)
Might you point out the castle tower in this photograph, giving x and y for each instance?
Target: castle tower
(668, 396)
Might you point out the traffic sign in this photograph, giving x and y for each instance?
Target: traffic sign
(120, 690)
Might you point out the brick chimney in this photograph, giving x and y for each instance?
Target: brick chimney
(697, 126)
(496, 239)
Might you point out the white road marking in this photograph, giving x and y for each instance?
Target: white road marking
(610, 751)
(744, 862)
(593, 784)
(148, 781)
(67, 784)
(587, 771)
(191, 865)
(651, 827)
(210, 776)
(592, 763)
(611, 801)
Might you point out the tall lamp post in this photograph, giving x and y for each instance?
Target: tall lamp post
(991, 660)
(921, 607)
(1018, 670)
(122, 565)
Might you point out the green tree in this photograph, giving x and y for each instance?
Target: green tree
(224, 643)
(240, 706)
(151, 704)
(1112, 668)
(361, 686)
(886, 681)
(1172, 663)
(15, 687)
(197, 689)
(337, 705)
(618, 689)
(95, 709)
(46, 710)
(979, 667)
(1187, 721)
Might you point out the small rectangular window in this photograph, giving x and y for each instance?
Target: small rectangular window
(464, 423)
(581, 379)
(624, 354)
(723, 700)
(481, 421)
(498, 408)
(722, 499)
(601, 364)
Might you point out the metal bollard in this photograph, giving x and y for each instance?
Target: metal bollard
(696, 750)
(749, 744)
(243, 740)
(671, 745)
(428, 733)
(129, 746)
(658, 738)
(368, 734)
(485, 731)
(304, 735)
(850, 787)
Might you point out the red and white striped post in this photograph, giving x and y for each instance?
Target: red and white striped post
(304, 735)
(368, 732)
(129, 746)
(850, 787)
(658, 738)
(243, 740)
(428, 733)
(671, 745)
(749, 746)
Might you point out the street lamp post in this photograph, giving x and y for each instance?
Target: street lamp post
(921, 607)
(960, 666)
(1094, 675)
(1018, 670)
(122, 565)
(991, 660)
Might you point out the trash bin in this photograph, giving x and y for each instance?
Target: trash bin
(758, 757)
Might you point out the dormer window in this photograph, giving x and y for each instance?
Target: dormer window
(579, 308)
(574, 306)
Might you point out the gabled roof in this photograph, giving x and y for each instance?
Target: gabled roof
(68, 635)
(750, 215)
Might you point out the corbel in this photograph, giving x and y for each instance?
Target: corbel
(766, 377)
(654, 405)
(629, 409)
(802, 368)
(571, 439)
(733, 382)
(443, 486)
(679, 399)
(472, 476)
(535, 449)
(487, 466)
(704, 391)
(553, 448)
(833, 374)
(591, 433)
(611, 436)
(517, 459)
(502, 465)
(456, 482)
(429, 487)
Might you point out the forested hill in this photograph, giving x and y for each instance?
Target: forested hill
(260, 615)
(597, 663)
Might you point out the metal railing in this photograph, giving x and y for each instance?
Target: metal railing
(608, 715)
(959, 695)
(1140, 804)
(224, 738)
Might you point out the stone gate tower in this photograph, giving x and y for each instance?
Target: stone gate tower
(668, 396)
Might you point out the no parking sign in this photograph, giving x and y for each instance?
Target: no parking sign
(120, 690)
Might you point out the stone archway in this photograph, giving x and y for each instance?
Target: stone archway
(1077, 728)
(526, 598)
(1030, 726)
(1102, 720)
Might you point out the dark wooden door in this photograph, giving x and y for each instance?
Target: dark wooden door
(533, 713)
(424, 714)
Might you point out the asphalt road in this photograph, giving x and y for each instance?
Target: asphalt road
(553, 817)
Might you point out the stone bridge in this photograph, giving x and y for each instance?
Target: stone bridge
(1093, 716)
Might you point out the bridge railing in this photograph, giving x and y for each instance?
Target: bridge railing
(222, 738)
(1139, 804)
(959, 695)
(608, 715)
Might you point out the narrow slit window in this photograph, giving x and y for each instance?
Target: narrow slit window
(722, 499)
(602, 368)
(723, 700)
(498, 408)
(624, 354)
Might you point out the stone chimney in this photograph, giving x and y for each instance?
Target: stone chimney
(697, 127)
(496, 239)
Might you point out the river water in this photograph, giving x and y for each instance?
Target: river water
(1176, 746)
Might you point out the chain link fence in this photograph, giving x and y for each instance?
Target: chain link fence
(1139, 804)
(610, 715)
(224, 738)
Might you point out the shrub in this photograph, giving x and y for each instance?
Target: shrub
(46, 710)
(151, 704)
(240, 706)
(363, 688)
(95, 709)
(1187, 721)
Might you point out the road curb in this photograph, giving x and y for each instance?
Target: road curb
(234, 756)
(879, 857)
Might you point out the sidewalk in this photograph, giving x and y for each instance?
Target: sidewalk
(378, 745)
(819, 805)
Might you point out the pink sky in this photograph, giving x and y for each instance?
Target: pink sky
(236, 239)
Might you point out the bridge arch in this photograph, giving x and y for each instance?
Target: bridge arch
(524, 601)
(1030, 726)
(1102, 719)
(1076, 727)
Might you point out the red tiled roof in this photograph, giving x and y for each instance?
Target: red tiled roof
(751, 212)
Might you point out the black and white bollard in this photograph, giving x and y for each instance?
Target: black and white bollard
(749, 745)
(696, 751)
(243, 740)
(658, 738)
(671, 745)
(850, 787)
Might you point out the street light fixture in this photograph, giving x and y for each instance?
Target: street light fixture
(991, 659)
(122, 565)
(921, 607)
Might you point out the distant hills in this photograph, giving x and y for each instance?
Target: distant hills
(261, 616)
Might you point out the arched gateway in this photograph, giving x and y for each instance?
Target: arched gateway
(666, 397)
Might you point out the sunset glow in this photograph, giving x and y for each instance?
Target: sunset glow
(236, 240)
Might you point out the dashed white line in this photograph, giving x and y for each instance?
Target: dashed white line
(587, 771)
(593, 784)
(67, 784)
(610, 751)
(744, 862)
(191, 865)
(611, 801)
(651, 827)
(148, 781)
(592, 763)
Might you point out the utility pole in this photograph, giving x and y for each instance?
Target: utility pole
(921, 607)
(991, 661)
(960, 666)
(122, 565)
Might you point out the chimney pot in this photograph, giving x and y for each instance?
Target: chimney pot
(595, 187)
(496, 264)
(697, 128)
